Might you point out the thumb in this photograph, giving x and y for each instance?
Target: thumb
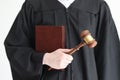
(65, 50)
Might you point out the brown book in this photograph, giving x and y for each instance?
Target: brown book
(49, 38)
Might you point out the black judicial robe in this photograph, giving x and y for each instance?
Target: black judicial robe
(100, 63)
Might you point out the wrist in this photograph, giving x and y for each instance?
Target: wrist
(45, 59)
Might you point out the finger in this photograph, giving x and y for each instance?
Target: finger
(69, 57)
(64, 65)
(65, 50)
(67, 62)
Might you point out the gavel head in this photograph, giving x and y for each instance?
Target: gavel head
(88, 39)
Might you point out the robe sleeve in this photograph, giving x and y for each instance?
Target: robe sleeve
(20, 45)
(107, 52)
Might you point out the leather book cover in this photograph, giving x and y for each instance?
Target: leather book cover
(49, 38)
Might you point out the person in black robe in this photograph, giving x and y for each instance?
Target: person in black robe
(99, 63)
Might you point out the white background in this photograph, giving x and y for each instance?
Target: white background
(9, 10)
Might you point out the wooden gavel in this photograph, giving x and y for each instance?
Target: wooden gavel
(87, 40)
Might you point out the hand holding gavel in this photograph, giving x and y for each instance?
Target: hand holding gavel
(87, 40)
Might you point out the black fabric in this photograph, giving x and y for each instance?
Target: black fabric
(99, 63)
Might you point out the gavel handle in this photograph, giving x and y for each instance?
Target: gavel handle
(74, 50)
